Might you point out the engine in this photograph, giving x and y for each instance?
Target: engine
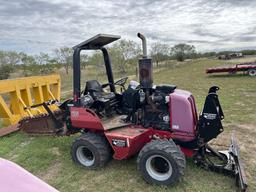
(155, 112)
(87, 100)
(149, 107)
(149, 104)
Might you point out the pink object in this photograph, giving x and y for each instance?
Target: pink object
(183, 115)
(14, 178)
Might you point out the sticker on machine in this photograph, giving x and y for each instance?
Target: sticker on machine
(210, 116)
(119, 142)
(74, 113)
(175, 127)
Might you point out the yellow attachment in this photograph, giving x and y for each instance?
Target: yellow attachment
(17, 95)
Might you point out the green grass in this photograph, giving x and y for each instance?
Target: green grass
(49, 157)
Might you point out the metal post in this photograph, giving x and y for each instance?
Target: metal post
(108, 69)
(76, 76)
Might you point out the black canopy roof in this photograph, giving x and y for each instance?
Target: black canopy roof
(97, 41)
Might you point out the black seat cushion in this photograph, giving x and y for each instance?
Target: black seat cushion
(94, 88)
(93, 85)
(104, 95)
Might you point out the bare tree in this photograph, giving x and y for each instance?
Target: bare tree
(183, 51)
(7, 61)
(27, 59)
(42, 58)
(64, 57)
(9, 58)
(84, 60)
(96, 60)
(124, 53)
(28, 62)
(159, 52)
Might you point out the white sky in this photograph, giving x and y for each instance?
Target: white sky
(36, 26)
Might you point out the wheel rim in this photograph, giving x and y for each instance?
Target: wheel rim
(252, 72)
(158, 167)
(85, 156)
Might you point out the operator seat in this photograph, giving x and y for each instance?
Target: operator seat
(94, 88)
(105, 102)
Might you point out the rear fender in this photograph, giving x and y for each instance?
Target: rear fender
(85, 119)
(127, 141)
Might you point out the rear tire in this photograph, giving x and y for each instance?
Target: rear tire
(161, 162)
(91, 150)
(252, 72)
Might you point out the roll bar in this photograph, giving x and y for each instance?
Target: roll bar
(95, 43)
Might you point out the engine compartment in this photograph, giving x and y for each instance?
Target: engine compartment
(161, 107)
(149, 107)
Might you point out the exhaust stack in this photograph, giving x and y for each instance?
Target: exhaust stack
(144, 44)
(145, 66)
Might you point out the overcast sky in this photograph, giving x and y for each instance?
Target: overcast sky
(36, 26)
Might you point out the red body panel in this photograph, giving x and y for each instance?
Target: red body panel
(129, 140)
(85, 118)
(135, 137)
(188, 152)
(183, 115)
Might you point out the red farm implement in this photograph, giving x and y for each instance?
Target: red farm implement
(248, 68)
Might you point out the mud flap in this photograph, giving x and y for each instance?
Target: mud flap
(238, 165)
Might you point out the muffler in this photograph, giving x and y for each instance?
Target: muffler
(145, 66)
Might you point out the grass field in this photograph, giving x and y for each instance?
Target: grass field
(49, 157)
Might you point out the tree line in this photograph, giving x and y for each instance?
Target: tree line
(124, 55)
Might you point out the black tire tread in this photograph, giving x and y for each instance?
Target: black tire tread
(100, 143)
(167, 146)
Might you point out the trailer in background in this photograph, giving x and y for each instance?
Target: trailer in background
(247, 68)
(231, 56)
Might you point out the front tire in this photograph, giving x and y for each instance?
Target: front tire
(91, 150)
(161, 162)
